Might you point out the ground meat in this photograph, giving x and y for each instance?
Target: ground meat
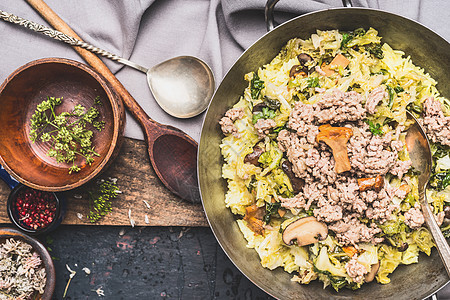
(298, 201)
(235, 113)
(374, 98)
(337, 107)
(382, 206)
(436, 124)
(331, 107)
(373, 155)
(350, 230)
(263, 126)
(400, 168)
(414, 218)
(226, 123)
(227, 126)
(330, 213)
(296, 150)
(336, 198)
(440, 218)
(355, 270)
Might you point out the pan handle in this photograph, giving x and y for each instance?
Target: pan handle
(270, 6)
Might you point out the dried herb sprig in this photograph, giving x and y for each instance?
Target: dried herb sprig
(100, 198)
(66, 132)
(22, 273)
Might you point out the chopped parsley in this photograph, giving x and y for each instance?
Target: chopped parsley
(348, 36)
(375, 128)
(271, 209)
(266, 113)
(313, 82)
(375, 50)
(256, 85)
(440, 180)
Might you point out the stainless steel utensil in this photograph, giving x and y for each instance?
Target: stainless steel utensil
(182, 86)
(420, 154)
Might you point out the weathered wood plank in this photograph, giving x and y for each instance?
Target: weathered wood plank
(138, 182)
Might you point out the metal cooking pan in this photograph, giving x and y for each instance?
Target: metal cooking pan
(426, 48)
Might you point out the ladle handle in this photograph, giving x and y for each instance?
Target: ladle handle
(60, 36)
(439, 239)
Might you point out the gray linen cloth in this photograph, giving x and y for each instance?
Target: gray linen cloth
(149, 32)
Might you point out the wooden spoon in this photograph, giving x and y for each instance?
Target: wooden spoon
(173, 154)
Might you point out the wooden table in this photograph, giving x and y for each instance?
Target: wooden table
(137, 181)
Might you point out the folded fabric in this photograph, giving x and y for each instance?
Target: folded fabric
(149, 32)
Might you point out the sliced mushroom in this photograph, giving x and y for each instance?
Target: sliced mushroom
(373, 271)
(253, 157)
(298, 70)
(297, 183)
(305, 231)
(375, 183)
(336, 138)
(258, 107)
(273, 104)
(304, 58)
(403, 247)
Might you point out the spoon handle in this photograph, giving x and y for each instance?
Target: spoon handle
(58, 35)
(439, 239)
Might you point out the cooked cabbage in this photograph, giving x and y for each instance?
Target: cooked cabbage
(371, 63)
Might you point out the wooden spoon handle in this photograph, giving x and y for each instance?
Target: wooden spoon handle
(152, 129)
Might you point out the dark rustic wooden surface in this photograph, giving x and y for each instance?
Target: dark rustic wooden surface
(138, 182)
(145, 263)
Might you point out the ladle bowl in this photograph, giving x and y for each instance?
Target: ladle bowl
(182, 86)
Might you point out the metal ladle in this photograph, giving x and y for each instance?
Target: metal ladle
(182, 86)
(420, 155)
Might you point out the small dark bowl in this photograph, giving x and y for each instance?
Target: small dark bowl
(13, 214)
(6, 233)
(77, 83)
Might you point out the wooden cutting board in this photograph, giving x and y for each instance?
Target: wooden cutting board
(137, 181)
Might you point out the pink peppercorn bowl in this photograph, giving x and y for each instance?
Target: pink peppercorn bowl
(35, 212)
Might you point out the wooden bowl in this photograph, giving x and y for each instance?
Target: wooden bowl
(77, 83)
(6, 233)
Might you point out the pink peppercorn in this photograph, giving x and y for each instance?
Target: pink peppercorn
(35, 209)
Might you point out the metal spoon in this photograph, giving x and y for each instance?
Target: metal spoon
(182, 86)
(420, 154)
